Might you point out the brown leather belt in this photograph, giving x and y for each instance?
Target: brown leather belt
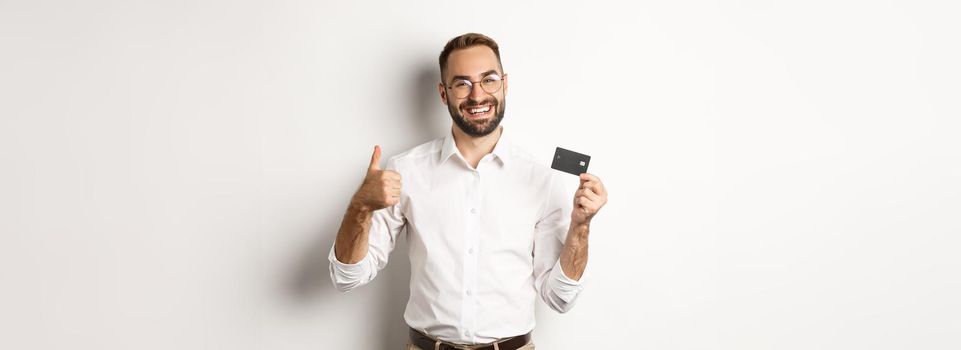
(427, 343)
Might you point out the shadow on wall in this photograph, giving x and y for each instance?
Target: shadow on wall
(429, 118)
(311, 278)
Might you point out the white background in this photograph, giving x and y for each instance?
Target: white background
(782, 175)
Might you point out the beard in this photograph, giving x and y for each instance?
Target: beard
(478, 128)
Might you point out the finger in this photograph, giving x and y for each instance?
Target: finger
(588, 177)
(392, 175)
(592, 185)
(597, 186)
(375, 159)
(584, 206)
(585, 192)
(591, 195)
(588, 204)
(582, 201)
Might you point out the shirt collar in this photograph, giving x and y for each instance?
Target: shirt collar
(501, 149)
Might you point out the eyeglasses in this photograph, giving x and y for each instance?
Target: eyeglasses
(462, 87)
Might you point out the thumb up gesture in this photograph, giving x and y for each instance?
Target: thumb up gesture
(381, 188)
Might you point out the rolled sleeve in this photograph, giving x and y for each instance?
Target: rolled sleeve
(555, 288)
(565, 287)
(386, 224)
(346, 277)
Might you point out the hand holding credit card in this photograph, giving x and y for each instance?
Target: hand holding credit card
(570, 162)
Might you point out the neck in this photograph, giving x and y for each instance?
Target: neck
(474, 148)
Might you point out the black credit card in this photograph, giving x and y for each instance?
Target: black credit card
(570, 162)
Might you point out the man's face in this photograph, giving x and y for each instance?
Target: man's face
(474, 64)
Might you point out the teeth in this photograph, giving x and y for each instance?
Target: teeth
(480, 110)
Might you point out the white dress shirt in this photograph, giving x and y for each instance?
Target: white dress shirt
(483, 242)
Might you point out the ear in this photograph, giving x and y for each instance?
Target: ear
(442, 92)
(505, 84)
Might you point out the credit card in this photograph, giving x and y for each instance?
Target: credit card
(570, 162)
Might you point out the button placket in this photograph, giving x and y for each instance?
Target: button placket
(472, 223)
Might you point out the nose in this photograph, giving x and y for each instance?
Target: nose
(477, 94)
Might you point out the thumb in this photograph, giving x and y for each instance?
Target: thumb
(375, 159)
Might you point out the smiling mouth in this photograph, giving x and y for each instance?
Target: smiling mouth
(479, 111)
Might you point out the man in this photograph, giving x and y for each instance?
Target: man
(489, 229)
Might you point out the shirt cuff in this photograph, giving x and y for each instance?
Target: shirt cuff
(565, 287)
(348, 272)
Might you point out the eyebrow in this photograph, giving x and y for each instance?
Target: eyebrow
(458, 77)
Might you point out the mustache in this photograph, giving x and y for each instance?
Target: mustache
(491, 102)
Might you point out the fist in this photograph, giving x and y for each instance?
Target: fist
(381, 188)
(588, 199)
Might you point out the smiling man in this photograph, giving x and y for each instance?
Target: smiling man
(489, 229)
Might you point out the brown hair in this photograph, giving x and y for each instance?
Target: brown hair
(464, 41)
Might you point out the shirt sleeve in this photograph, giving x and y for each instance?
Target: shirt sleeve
(386, 225)
(554, 287)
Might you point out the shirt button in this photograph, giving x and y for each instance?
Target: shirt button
(470, 251)
(473, 210)
(468, 292)
(466, 333)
